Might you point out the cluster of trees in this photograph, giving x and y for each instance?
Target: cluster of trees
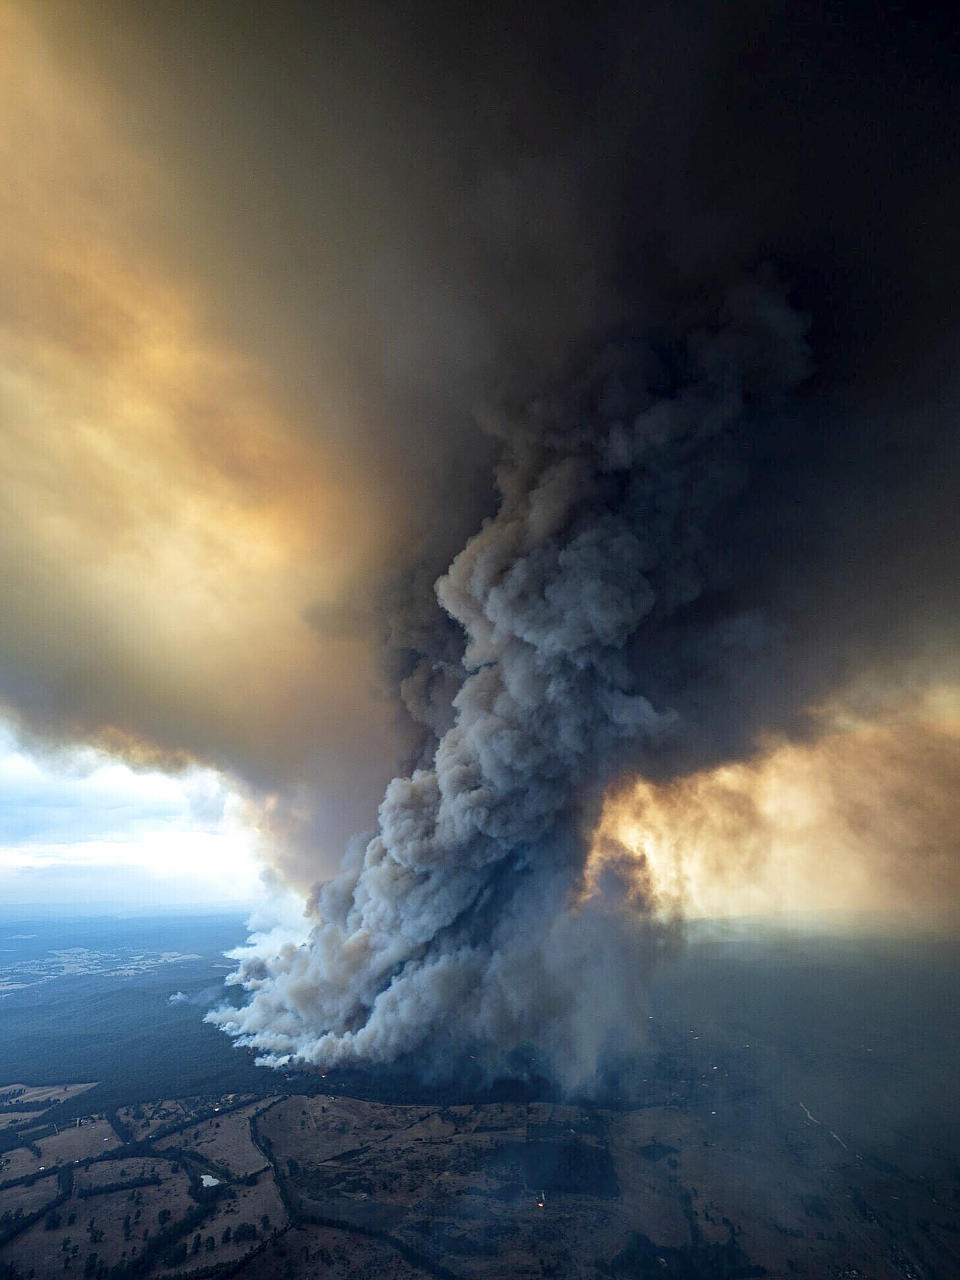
(84, 1193)
(167, 1244)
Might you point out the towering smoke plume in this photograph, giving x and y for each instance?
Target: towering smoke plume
(266, 269)
(602, 626)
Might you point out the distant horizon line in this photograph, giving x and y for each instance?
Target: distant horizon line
(853, 918)
(113, 908)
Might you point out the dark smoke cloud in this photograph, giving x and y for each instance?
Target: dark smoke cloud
(696, 534)
(536, 244)
(595, 592)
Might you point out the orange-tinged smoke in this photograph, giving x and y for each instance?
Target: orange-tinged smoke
(863, 818)
(165, 527)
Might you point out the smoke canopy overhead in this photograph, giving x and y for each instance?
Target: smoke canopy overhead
(586, 381)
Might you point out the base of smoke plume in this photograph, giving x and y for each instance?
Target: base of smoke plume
(569, 1003)
(449, 1073)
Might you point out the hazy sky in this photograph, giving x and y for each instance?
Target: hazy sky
(275, 280)
(169, 518)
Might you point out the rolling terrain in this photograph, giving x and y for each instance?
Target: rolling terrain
(791, 1117)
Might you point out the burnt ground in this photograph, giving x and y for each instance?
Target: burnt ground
(710, 1182)
(792, 1115)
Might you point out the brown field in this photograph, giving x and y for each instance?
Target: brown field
(28, 1199)
(90, 1177)
(43, 1092)
(16, 1163)
(91, 1137)
(146, 1118)
(324, 1252)
(250, 1206)
(497, 1191)
(46, 1250)
(789, 1191)
(224, 1140)
(10, 1119)
(777, 1189)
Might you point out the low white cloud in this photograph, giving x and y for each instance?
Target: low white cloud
(80, 826)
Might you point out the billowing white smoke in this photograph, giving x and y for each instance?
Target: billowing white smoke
(460, 927)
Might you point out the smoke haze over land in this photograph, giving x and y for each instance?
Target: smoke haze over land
(549, 409)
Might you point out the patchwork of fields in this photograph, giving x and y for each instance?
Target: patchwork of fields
(788, 1119)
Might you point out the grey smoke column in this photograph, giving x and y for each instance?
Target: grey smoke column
(456, 926)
